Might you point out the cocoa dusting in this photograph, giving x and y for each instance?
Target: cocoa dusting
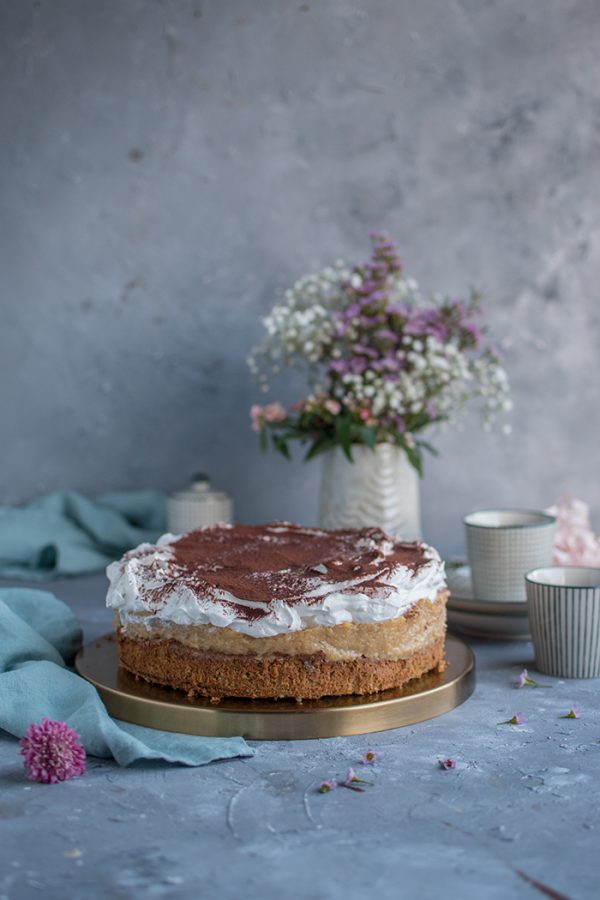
(279, 561)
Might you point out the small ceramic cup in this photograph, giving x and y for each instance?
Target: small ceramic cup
(504, 544)
(564, 614)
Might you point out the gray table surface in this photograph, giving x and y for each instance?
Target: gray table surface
(519, 817)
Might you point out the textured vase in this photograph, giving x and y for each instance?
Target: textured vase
(379, 488)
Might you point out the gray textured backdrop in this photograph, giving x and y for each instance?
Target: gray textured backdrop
(168, 167)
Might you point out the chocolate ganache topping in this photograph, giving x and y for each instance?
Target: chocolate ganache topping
(264, 579)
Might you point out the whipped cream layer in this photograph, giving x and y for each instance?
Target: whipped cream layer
(271, 579)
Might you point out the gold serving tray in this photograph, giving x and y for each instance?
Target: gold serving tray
(133, 700)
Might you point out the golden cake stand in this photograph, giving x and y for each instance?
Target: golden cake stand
(133, 700)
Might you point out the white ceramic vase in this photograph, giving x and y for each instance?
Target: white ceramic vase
(379, 488)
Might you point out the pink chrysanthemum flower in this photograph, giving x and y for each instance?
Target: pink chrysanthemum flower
(52, 752)
(369, 757)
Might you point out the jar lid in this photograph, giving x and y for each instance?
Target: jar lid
(199, 491)
(200, 482)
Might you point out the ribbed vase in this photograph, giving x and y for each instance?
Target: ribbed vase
(379, 488)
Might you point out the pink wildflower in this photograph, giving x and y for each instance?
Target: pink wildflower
(574, 713)
(52, 752)
(525, 681)
(332, 406)
(352, 780)
(274, 412)
(326, 786)
(517, 719)
(369, 757)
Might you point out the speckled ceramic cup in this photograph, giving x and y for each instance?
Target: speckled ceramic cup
(504, 544)
(564, 614)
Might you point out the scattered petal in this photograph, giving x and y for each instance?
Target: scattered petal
(369, 757)
(326, 786)
(517, 719)
(447, 763)
(52, 752)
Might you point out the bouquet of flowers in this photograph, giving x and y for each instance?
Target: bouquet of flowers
(383, 363)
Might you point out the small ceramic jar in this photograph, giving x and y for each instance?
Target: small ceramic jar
(196, 506)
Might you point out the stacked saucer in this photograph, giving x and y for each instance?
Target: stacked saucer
(482, 618)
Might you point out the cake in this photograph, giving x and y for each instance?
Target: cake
(279, 610)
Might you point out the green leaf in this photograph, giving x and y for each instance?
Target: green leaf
(368, 436)
(413, 454)
(281, 444)
(417, 421)
(428, 447)
(318, 447)
(414, 458)
(264, 440)
(343, 435)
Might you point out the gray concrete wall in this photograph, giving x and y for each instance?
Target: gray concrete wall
(167, 168)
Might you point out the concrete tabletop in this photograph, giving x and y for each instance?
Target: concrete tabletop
(519, 816)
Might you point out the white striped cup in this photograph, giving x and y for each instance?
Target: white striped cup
(564, 614)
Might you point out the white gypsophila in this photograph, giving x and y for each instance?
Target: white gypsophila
(299, 329)
(494, 389)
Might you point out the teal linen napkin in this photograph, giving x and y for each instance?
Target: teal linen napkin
(39, 637)
(66, 533)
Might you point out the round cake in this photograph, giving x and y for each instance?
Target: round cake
(279, 610)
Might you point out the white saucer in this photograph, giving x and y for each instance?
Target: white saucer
(483, 618)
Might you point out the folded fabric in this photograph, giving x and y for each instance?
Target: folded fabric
(67, 534)
(38, 638)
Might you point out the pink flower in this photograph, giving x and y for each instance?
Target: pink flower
(52, 752)
(326, 786)
(350, 777)
(517, 719)
(575, 544)
(352, 780)
(369, 757)
(447, 763)
(574, 713)
(272, 412)
(526, 681)
(332, 406)
(256, 414)
(364, 414)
